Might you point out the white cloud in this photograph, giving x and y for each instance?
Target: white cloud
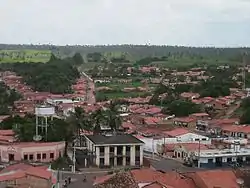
(173, 22)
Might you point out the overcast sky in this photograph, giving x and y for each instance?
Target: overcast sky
(170, 22)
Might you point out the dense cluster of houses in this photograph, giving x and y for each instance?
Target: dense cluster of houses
(11, 150)
(150, 178)
(198, 139)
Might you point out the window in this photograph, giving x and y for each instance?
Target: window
(112, 149)
(137, 148)
(101, 149)
(31, 157)
(38, 156)
(101, 161)
(25, 157)
(196, 139)
(44, 155)
(127, 148)
(51, 155)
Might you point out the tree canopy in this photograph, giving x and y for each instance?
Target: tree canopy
(245, 107)
(7, 98)
(55, 76)
(181, 108)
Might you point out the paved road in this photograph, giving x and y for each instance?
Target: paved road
(77, 179)
(167, 165)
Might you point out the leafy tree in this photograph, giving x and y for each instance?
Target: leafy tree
(78, 59)
(53, 58)
(11, 122)
(56, 76)
(7, 98)
(79, 120)
(95, 57)
(107, 117)
(213, 88)
(245, 117)
(181, 108)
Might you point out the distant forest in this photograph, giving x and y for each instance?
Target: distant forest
(134, 53)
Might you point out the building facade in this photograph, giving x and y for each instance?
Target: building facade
(30, 151)
(222, 158)
(118, 150)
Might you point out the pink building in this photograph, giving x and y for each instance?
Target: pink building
(30, 151)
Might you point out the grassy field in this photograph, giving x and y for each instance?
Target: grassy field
(12, 56)
(115, 85)
(117, 95)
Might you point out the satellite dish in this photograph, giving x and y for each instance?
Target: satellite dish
(240, 181)
(37, 138)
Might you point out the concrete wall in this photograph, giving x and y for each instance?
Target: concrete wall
(20, 150)
(152, 144)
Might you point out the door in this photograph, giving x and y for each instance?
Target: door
(11, 157)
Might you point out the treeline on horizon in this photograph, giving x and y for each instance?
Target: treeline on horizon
(138, 51)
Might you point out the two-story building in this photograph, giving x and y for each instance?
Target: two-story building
(187, 122)
(115, 150)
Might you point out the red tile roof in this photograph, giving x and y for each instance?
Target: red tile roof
(38, 172)
(12, 176)
(176, 180)
(237, 128)
(176, 132)
(199, 114)
(20, 170)
(184, 119)
(8, 132)
(215, 178)
(145, 175)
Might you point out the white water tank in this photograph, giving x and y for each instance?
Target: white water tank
(45, 111)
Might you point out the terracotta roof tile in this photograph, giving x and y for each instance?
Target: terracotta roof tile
(176, 132)
(216, 178)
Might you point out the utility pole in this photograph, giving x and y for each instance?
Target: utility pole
(58, 179)
(74, 158)
(199, 153)
(153, 150)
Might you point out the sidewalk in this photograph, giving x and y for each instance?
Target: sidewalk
(88, 171)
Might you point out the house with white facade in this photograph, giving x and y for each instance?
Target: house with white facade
(210, 158)
(115, 150)
(154, 144)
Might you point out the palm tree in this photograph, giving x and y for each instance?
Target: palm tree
(79, 121)
(97, 120)
(108, 117)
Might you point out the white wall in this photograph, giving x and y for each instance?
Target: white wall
(54, 101)
(151, 144)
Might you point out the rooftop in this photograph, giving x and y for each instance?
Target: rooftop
(115, 139)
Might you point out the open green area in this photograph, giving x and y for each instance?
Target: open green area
(102, 95)
(168, 56)
(115, 85)
(12, 56)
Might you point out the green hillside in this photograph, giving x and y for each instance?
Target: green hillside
(12, 56)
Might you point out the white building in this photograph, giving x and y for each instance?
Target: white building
(116, 150)
(222, 157)
(155, 144)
